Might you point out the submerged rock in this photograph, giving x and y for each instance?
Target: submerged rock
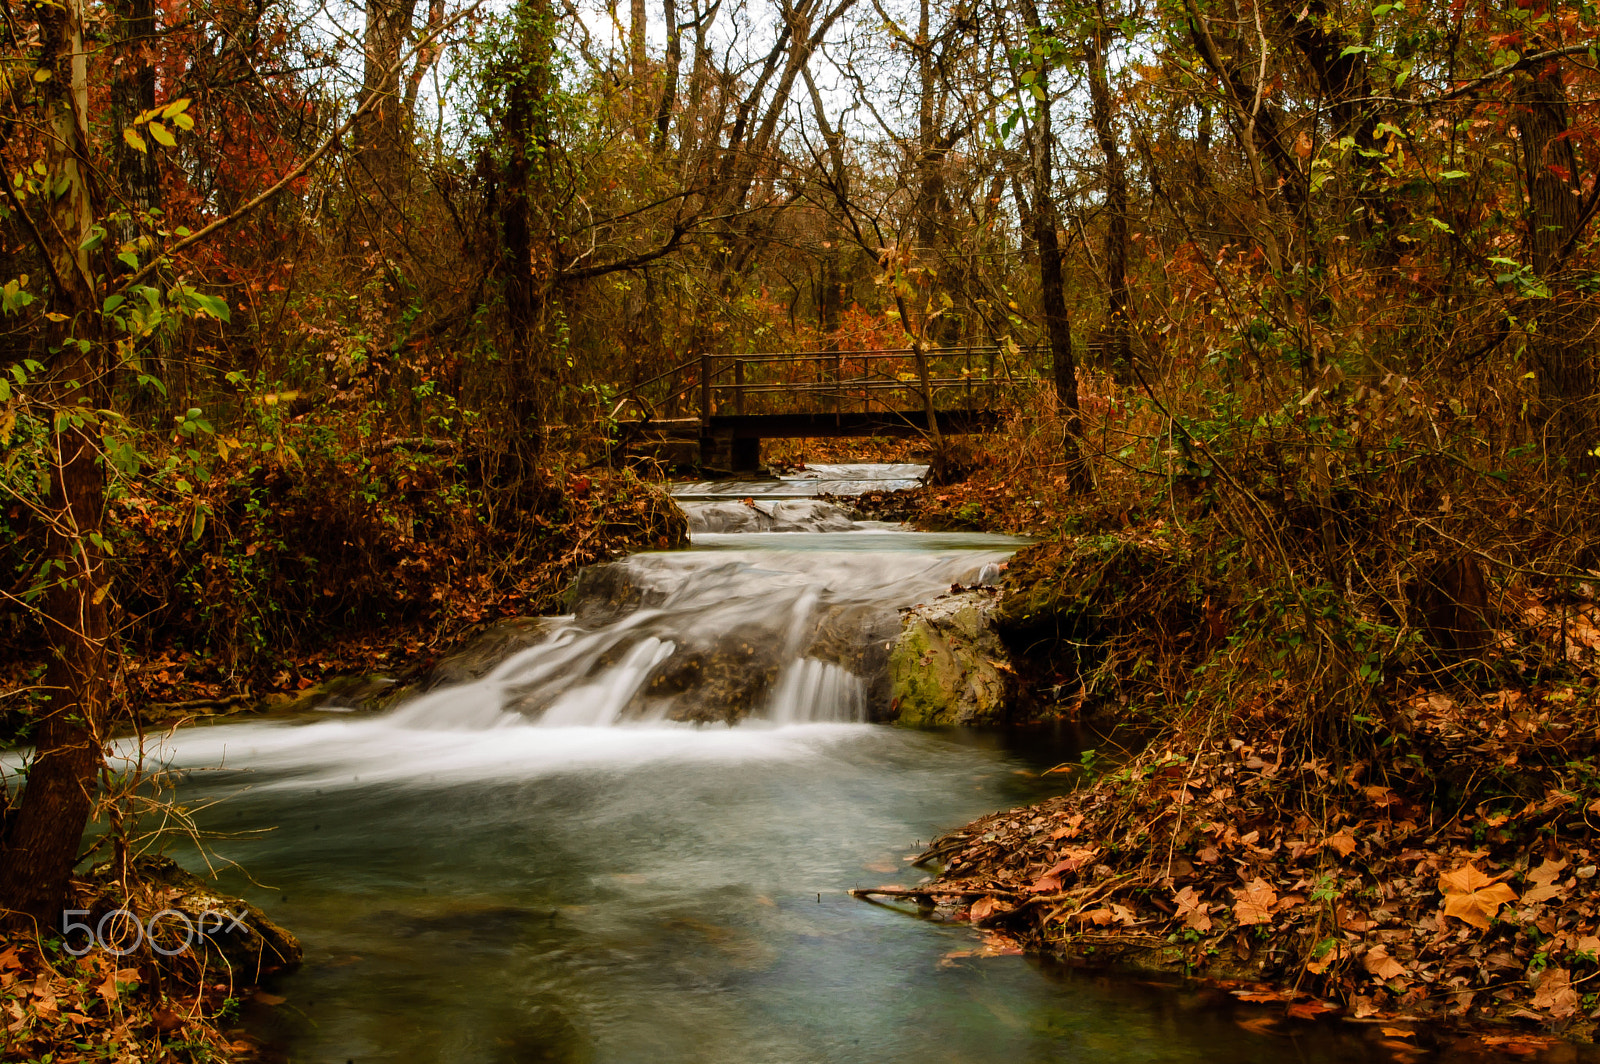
(946, 666)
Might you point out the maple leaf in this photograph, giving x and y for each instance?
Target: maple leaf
(1192, 909)
(1255, 902)
(1556, 994)
(1544, 883)
(1379, 963)
(1472, 897)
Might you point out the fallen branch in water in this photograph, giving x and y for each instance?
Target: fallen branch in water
(928, 892)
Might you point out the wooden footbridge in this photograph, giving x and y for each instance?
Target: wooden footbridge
(729, 403)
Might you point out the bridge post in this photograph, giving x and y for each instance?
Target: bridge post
(705, 393)
(745, 455)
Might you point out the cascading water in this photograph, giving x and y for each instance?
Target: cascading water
(551, 862)
(782, 625)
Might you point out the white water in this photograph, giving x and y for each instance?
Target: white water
(791, 625)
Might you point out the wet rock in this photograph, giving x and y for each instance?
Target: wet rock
(946, 666)
(487, 649)
(603, 593)
(767, 515)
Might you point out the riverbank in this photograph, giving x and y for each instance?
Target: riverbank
(1384, 810)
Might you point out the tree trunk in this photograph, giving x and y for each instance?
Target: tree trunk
(133, 91)
(42, 845)
(1116, 332)
(526, 137)
(1052, 298)
(381, 134)
(1560, 349)
(669, 80)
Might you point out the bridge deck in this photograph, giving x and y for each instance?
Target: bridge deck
(730, 402)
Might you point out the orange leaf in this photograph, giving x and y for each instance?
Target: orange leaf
(1472, 897)
(1195, 912)
(1255, 902)
(1379, 963)
(1556, 994)
(1341, 842)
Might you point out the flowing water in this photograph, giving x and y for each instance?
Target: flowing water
(546, 864)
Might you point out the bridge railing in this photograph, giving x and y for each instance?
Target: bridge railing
(974, 377)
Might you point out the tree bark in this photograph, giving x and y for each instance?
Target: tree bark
(381, 134)
(526, 138)
(1052, 298)
(37, 856)
(669, 80)
(1561, 348)
(1116, 332)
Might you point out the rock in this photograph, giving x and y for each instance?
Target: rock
(232, 940)
(487, 649)
(767, 515)
(946, 666)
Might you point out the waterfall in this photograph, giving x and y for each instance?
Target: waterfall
(780, 624)
(814, 692)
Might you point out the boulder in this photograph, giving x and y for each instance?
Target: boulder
(947, 665)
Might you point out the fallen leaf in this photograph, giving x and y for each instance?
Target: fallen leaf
(1555, 993)
(1472, 897)
(1544, 882)
(1336, 952)
(1341, 842)
(985, 907)
(1193, 910)
(1254, 904)
(1309, 1010)
(1379, 963)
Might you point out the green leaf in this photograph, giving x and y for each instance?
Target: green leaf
(165, 139)
(42, 75)
(215, 306)
(183, 122)
(129, 259)
(175, 108)
(1453, 175)
(112, 303)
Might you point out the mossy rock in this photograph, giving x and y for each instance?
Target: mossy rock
(946, 667)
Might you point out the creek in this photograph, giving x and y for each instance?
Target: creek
(546, 863)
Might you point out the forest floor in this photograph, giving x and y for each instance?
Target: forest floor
(1434, 872)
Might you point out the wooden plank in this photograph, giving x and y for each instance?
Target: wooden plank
(830, 424)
